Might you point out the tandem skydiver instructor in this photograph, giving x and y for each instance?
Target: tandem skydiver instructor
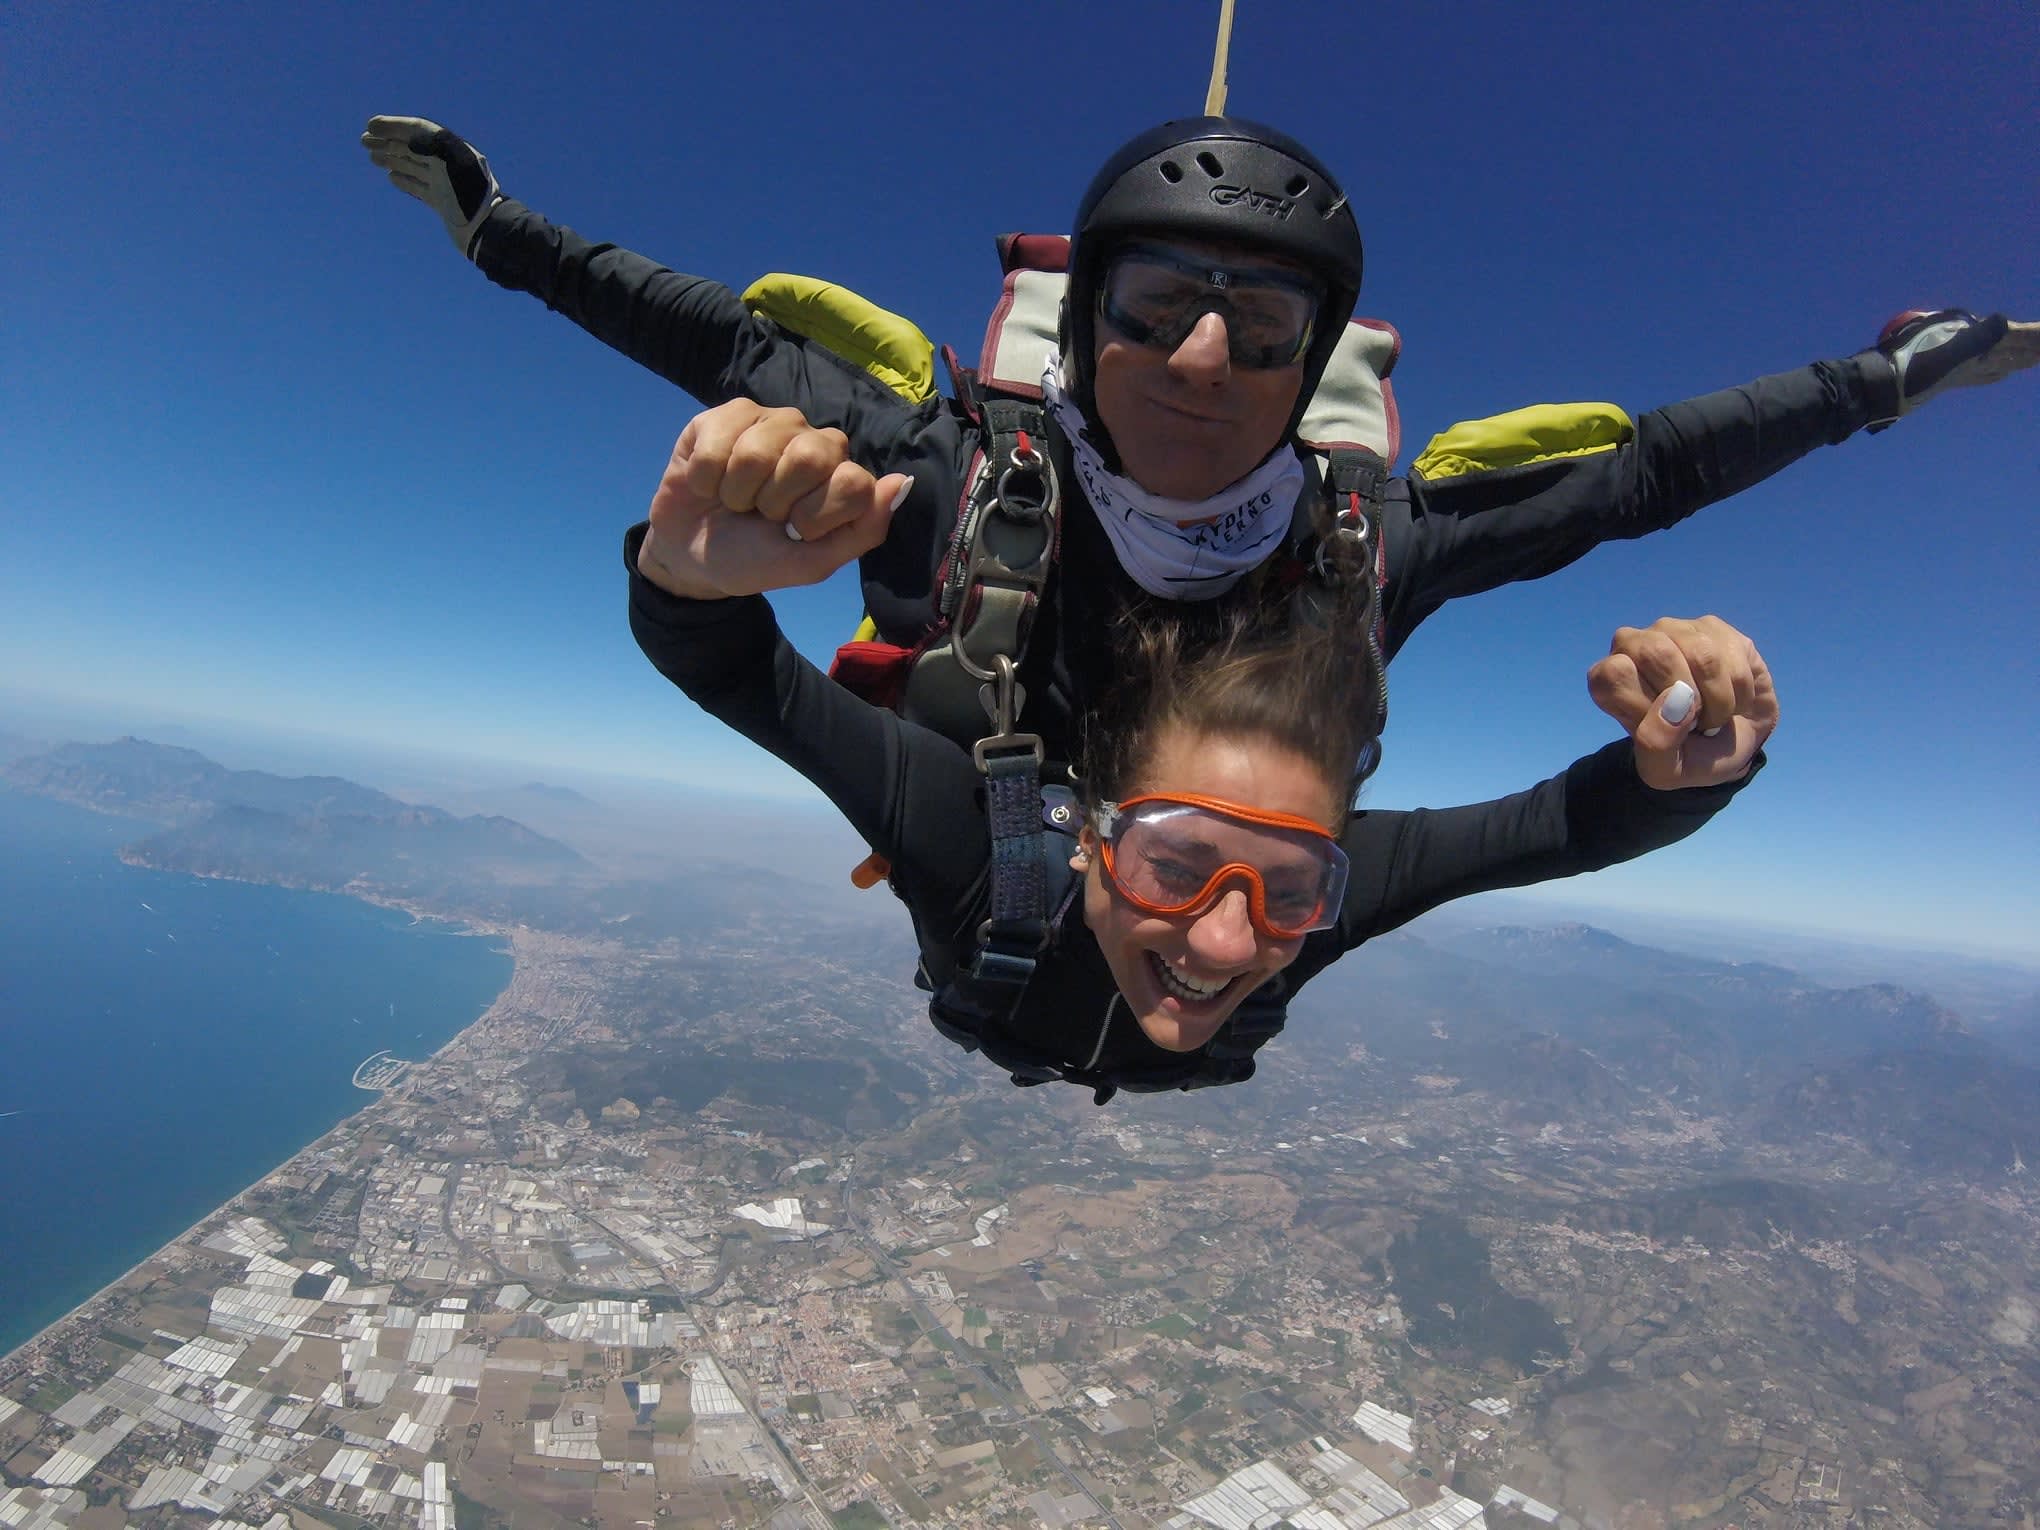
(1196, 328)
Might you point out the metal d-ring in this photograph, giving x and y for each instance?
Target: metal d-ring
(1028, 509)
(970, 666)
(1357, 530)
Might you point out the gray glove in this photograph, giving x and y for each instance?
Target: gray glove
(438, 167)
(1934, 351)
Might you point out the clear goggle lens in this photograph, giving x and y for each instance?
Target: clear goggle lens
(1155, 296)
(1174, 855)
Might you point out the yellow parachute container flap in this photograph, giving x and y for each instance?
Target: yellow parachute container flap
(1540, 433)
(890, 348)
(867, 632)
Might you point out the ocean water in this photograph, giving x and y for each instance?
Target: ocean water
(165, 1041)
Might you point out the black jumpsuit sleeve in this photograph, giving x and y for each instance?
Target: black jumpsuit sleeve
(697, 334)
(1461, 535)
(1595, 813)
(693, 331)
(911, 793)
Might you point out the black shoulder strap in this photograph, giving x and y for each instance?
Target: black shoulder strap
(1033, 829)
(998, 563)
(1355, 481)
(1012, 939)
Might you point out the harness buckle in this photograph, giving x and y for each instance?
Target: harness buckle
(1003, 696)
(1006, 966)
(1026, 743)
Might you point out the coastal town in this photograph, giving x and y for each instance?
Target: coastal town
(380, 1334)
(511, 1292)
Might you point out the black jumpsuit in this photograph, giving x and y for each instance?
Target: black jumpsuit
(915, 797)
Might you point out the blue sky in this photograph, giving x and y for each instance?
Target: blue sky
(276, 454)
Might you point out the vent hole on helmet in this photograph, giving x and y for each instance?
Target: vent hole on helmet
(1297, 186)
(1171, 171)
(1208, 163)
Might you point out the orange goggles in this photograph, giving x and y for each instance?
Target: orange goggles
(1174, 854)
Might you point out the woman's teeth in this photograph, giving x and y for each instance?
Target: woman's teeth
(1181, 985)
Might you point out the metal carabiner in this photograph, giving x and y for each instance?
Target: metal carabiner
(1006, 707)
(1002, 699)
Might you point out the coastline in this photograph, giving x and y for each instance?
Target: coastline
(512, 936)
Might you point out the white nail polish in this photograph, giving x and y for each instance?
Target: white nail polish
(1709, 732)
(1678, 703)
(901, 497)
(792, 532)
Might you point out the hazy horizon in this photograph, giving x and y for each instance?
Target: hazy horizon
(611, 796)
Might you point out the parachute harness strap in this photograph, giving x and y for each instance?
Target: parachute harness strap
(1012, 547)
(1012, 542)
(998, 565)
(1013, 938)
(1356, 479)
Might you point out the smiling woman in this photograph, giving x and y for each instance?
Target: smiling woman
(1220, 865)
(1215, 780)
(1199, 898)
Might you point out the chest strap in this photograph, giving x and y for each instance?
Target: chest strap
(1012, 939)
(1033, 833)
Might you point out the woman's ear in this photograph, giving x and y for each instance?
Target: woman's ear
(1087, 846)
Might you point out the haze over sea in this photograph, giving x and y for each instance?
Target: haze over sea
(165, 1041)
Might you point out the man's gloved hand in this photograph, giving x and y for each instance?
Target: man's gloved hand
(438, 167)
(1933, 351)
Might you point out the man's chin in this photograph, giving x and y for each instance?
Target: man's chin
(1171, 477)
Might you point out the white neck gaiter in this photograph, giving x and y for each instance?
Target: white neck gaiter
(1180, 549)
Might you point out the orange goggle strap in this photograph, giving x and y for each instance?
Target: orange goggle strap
(1110, 813)
(1111, 816)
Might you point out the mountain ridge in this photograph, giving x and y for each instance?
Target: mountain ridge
(320, 832)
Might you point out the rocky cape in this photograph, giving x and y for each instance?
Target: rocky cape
(320, 832)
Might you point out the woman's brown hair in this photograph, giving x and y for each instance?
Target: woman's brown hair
(1297, 668)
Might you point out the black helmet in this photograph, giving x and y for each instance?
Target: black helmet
(1215, 178)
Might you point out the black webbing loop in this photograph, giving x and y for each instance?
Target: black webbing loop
(1357, 479)
(1010, 941)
